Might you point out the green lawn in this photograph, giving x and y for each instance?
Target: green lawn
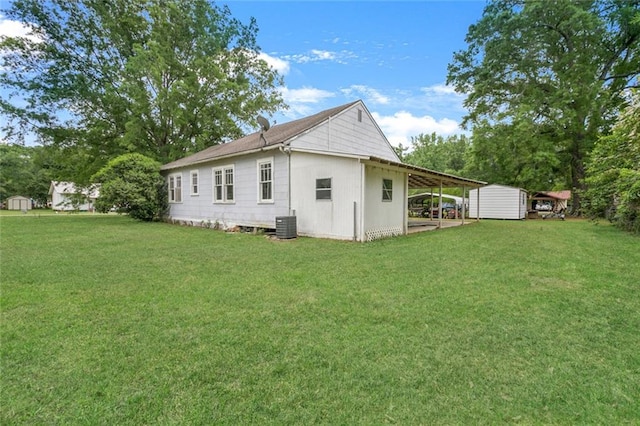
(109, 321)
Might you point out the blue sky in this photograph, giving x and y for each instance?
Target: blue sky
(391, 54)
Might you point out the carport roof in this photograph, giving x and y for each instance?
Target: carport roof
(420, 177)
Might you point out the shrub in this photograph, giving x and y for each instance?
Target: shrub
(131, 183)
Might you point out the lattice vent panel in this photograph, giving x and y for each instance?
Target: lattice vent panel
(376, 234)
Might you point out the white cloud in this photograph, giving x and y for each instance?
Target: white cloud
(301, 101)
(305, 95)
(440, 89)
(323, 55)
(9, 28)
(370, 94)
(438, 100)
(277, 64)
(316, 55)
(402, 126)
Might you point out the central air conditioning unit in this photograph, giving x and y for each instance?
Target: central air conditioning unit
(286, 227)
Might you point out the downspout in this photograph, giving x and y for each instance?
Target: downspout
(361, 213)
(405, 207)
(287, 152)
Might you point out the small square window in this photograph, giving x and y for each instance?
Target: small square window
(387, 189)
(323, 189)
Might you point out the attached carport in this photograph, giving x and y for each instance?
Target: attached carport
(425, 179)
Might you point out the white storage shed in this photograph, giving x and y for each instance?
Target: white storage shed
(18, 202)
(498, 202)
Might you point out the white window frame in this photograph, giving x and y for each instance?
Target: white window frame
(174, 182)
(261, 182)
(325, 190)
(388, 191)
(224, 184)
(195, 188)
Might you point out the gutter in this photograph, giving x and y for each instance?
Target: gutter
(235, 154)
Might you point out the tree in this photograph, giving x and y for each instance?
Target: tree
(436, 152)
(613, 172)
(164, 78)
(21, 173)
(500, 155)
(132, 183)
(544, 81)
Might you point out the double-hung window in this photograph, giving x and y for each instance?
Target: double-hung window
(175, 188)
(194, 182)
(265, 180)
(323, 189)
(387, 190)
(223, 187)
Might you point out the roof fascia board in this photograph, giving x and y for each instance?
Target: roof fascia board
(443, 176)
(224, 157)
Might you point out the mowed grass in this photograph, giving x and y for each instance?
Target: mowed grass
(110, 321)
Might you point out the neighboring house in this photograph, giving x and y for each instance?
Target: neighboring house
(335, 171)
(65, 196)
(550, 200)
(18, 202)
(498, 202)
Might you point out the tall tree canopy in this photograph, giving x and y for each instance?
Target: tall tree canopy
(613, 172)
(24, 171)
(436, 152)
(544, 81)
(163, 78)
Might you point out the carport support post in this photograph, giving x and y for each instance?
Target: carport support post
(440, 207)
(431, 205)
(464, 190)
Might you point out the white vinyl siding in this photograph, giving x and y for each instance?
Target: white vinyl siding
(175, 188)
(223, 184)
(498, 202)
(350, 132)
(265, 180)
(195, 178)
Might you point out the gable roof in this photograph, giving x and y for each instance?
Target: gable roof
(70, 188)
(280, 134)
(560, 195)
(419, 177)
(497, 185)
(276, 135)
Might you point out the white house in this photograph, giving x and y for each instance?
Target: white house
(498, 202)
(335, 171)
(62, 196)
